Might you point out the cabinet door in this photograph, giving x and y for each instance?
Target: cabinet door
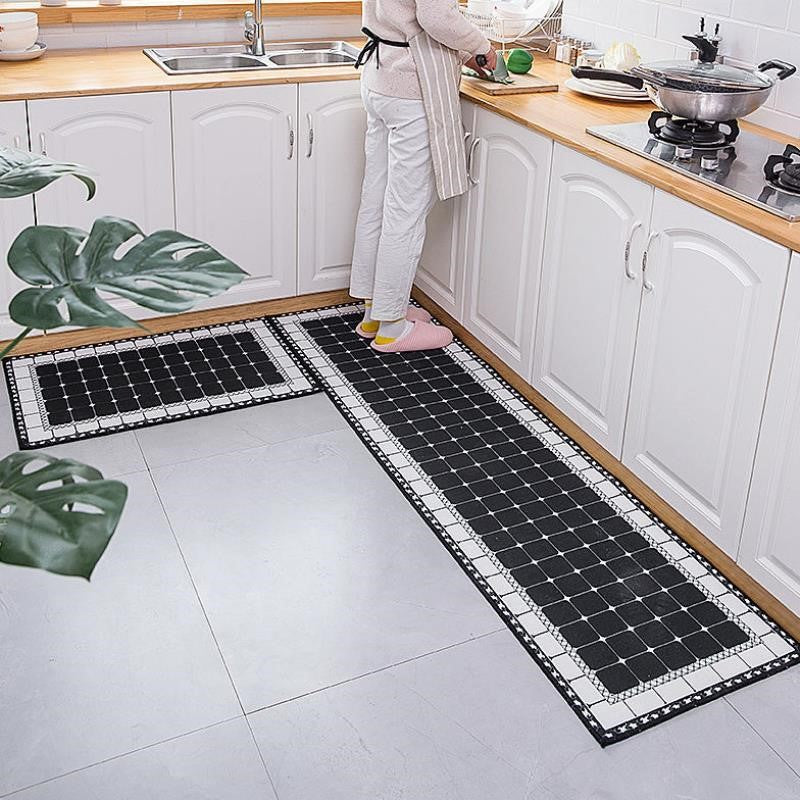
(707, 328)
(330, 172)
(770, 547)
(125, 141)
(441, 269)
(589, 301)
(236, 182)
(15, 214)
(505, 235)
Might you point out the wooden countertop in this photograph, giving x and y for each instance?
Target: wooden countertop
(71, 73)
(562, 116)
(77, 12)
(565, 115)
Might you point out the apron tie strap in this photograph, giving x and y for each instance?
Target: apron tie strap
(373, 46)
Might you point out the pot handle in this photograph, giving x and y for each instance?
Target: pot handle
(784, 69)
(593, 73)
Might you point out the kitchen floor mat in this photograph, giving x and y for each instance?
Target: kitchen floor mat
(629, 623)
(81, 392)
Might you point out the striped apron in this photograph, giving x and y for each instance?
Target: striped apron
(439, 72)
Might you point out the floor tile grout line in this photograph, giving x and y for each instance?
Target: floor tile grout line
(246, 449)
(261, 757)
(122, 755)
(222, 657)
(760, 735)
(196, 591)
(195, 459)
(375, 671)
(208, 622)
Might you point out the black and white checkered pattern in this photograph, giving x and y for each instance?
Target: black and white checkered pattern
(89, 391)
(630, 623)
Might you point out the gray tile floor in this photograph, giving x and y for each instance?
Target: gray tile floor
(273, 620)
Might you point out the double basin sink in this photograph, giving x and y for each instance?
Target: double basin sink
(236, 58)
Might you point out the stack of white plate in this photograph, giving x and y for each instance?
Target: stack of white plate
(18, 32)
(607, 90)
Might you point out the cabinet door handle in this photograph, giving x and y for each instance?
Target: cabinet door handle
(290, 123)
(17, 141)
(628, 245)
(473, 147)
(310, 121)
(42, 144)
(648, 285)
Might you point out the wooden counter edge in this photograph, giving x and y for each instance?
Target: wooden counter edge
(723, 205)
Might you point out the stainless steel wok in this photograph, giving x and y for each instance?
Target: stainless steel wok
(702, 89)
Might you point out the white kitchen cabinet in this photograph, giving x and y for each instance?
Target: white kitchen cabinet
(441, 269)
(585, 339)
(15, 213)
(505, 235)
(236, 182)
(707, 327)
(330, 173)
(124, 140)
(770, 546)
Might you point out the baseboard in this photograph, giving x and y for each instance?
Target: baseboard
(189, 319)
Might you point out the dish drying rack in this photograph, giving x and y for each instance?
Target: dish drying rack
(503, 32)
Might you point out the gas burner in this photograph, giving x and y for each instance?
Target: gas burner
(783, 171)
(691, 134)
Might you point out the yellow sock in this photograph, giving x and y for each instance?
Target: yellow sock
(369, 325)
(390, 331)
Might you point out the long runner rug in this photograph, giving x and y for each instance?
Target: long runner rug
(630, 623)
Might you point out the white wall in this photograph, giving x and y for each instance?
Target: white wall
(121, 34)
(752, 30)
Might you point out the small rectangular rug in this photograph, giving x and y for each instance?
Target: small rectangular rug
(81, 392)
(629, 623)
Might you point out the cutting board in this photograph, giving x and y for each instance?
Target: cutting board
(522, 85)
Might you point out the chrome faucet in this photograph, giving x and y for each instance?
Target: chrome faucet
(254, 29)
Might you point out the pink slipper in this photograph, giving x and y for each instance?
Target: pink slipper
(414, 314)
(422, 336)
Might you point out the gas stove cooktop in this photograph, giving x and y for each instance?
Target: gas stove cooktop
(742, 164)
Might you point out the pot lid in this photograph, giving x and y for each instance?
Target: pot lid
(700, 76)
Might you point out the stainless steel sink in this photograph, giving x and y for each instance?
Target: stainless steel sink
(310, 59)
(211, 63)
(236, 58)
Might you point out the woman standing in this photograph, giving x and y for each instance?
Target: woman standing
(414, 152)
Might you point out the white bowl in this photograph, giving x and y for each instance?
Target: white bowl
(12, 20)
(511, 11)
(18, 39)
(483, 7)
(512, 22)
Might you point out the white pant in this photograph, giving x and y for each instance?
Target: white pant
(398, 192)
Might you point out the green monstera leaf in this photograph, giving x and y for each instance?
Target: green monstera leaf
(24, 173)
(166, 272)
(56, 514)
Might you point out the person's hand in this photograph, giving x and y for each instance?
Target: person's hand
(491, 62)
